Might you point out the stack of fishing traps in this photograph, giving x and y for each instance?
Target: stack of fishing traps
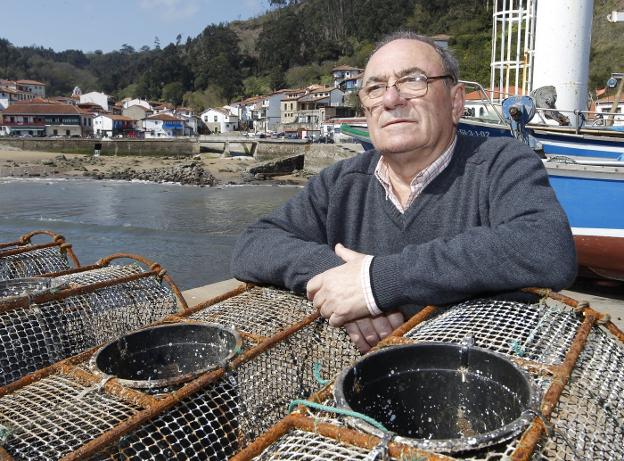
(69, 410)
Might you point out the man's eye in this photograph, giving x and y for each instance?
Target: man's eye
(375, 89)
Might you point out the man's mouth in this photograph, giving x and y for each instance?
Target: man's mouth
(396, 121)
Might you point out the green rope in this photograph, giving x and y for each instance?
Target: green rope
(338, 411)
(5, 433)
(316, 372)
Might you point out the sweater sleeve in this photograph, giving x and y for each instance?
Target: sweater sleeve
(527, 242)
(290, 246)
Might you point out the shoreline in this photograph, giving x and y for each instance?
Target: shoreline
(203, 170)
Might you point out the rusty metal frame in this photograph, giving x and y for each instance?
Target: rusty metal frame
(155, 270)
(23, 245)
(530, 438)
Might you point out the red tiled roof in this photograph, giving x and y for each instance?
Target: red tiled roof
(123, 118)
(30, 82)
(35, 109)
(345, 67)
(492, 94)
(165, 117)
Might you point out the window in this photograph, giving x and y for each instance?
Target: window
(216, 119)
(67, 133)
(55, 132)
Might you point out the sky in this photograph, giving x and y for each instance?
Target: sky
(90, 25)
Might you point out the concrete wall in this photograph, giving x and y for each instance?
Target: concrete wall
(113, 147)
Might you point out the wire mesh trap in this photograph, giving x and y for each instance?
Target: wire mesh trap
(573, 355)
(46, 319)
(70, 411)
(23, 258)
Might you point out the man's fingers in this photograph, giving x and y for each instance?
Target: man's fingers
(314, 284)
(368, 330)
(356, 336)
(396, 319)
(382, 326)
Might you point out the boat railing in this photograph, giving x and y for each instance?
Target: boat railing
(486, 101)
(584, 119)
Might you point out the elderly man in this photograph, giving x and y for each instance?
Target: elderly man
(427, 217)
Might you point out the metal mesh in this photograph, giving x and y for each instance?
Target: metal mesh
(56, 415)
(226, 415)
(541, 332)
(33, 263)
(589, 421)
(299, 445)
(42, 334)
(245, 402)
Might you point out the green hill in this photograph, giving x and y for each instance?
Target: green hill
(297, 42)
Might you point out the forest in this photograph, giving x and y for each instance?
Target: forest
(295, 43)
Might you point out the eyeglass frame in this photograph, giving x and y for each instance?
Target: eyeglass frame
(427, 81)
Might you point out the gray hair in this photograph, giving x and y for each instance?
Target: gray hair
(449, 62)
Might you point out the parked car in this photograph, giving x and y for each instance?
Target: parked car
(260, 134)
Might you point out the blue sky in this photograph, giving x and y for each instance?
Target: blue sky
(105, 25)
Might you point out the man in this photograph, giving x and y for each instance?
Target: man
(427, 217)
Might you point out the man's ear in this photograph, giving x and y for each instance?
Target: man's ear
(457, 101)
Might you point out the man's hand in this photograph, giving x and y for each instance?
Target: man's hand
(367, 332)
(338, 292)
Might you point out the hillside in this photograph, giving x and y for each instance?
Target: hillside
(296, 43)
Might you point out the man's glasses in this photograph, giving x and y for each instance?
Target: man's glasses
(409, 87)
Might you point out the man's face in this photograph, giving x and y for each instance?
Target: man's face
(422, 125)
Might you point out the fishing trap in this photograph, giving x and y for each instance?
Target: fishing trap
(24, 258)
(273, 351)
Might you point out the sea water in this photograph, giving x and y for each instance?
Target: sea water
(189, 230)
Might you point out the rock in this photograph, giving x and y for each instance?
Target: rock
(259, 176)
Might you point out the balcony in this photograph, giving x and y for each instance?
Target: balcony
(24, 124)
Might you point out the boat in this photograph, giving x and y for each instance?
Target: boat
(589, 190)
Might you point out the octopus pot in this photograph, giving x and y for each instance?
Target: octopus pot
(446, 398)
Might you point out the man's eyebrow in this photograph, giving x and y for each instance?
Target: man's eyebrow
(399, 74)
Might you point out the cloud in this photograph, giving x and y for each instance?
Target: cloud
(171, 9)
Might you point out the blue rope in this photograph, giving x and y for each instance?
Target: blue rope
(316, 372)
(338, 411)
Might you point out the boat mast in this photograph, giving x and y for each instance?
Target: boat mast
(513, 39)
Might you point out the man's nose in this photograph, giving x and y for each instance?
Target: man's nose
(393, 98)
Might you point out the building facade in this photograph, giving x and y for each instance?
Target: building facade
(46, 120)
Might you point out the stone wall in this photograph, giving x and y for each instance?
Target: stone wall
(112, 147)
(319, 156)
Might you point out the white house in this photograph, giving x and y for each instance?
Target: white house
(163, 126)
(136, 102)
(37, 89)
(109, 125)
(103, 100)
(219, 120)
(342, 72)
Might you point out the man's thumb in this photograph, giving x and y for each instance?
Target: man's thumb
(345, 254)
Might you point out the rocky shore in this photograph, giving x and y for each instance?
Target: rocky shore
(201, 170)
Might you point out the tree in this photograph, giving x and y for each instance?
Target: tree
(174, 93)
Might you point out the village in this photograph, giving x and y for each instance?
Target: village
(314, 113)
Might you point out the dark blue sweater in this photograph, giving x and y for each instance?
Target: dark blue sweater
(489, 223)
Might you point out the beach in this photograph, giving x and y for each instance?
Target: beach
(206, 169)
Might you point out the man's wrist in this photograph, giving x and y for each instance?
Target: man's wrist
(367, 287)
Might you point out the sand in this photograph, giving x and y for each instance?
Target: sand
(22, 163)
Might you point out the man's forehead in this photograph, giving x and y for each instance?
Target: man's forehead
(398, 56)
